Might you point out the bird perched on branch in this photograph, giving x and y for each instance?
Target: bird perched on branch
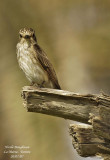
(34, 62)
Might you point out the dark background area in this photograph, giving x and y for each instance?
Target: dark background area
(75, 35)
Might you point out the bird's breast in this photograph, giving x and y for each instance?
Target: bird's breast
(30, 64)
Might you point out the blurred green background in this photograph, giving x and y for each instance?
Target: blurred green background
(75, 35)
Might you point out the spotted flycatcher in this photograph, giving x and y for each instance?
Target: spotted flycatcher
(34, 62)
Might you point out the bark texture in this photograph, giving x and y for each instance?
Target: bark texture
(88, 140)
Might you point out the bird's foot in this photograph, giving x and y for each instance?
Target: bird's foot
(33, 84)
(41, 85)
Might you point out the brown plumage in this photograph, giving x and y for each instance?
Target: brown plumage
(34, 62)
(47, 66)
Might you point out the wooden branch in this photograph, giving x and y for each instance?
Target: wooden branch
(87, 143)
(101, 128)
(63, 104)
(93, 109)
(84, 140)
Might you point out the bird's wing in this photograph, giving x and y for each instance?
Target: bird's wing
(47, 66)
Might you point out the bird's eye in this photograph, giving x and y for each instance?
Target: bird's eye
(20, 36)
(27, 36)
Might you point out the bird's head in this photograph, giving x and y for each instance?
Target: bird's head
(27, 35)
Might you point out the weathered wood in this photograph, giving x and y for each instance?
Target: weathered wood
(104, 148)
(84, 140)
(104, 113)
(101, 128)
(63, 104)
(60, 103)
(88, 140)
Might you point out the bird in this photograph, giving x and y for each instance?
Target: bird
(34, 61)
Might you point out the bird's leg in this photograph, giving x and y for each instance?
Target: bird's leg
(32, 83)
(37, 85)
(41, 85)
